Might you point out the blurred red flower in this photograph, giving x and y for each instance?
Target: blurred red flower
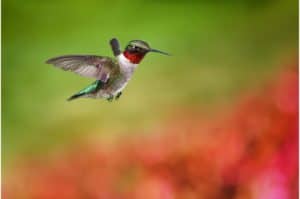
(252, 152)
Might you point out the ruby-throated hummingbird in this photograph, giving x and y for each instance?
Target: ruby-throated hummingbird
(111, 74)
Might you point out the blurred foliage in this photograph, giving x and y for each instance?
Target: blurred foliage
(219, 49)
(250, 152)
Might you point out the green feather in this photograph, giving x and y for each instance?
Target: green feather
(89, 89)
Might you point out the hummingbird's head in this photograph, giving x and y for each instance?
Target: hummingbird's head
(137, 49)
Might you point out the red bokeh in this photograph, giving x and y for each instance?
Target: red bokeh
(250, 151)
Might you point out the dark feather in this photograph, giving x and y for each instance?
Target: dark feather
(115, 46)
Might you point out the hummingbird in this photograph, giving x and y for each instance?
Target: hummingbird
(112, 74)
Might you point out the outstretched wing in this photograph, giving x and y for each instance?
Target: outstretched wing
(93, 66)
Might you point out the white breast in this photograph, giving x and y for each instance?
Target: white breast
(127, 68)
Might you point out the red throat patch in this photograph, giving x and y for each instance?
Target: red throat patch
(134, 58)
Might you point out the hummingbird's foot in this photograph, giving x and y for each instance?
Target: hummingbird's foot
(110, 98)
(118, 95)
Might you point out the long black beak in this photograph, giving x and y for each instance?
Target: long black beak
(158, 51)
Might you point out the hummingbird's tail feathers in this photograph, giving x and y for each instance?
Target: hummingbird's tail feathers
(75, 96)
(94, 87)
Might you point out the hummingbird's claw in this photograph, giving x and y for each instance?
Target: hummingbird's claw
(118, 95)
(110, 98)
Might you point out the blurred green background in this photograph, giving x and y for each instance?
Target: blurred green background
(220, 49)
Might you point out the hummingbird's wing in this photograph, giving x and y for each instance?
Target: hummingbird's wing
(100, 68)
(115, 46)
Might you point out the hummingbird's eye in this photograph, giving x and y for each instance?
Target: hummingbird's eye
(134, 48)
(131, 47)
